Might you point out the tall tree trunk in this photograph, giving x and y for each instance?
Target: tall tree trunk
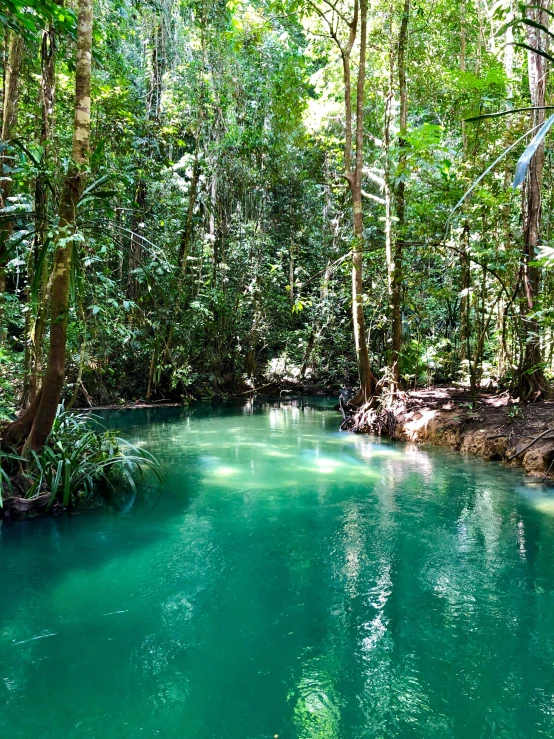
(186, 237)
(531, 379)
(158, 62)
(213, 232)
(11, 95)
(509, 55)
(73, 187)
(396, 282)
(9, 124)
(47, 93)
(465, 271)
(389, 106)
(367, 380)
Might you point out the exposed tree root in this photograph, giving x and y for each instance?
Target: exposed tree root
(13, 435)
(498, 429)
(19, 508)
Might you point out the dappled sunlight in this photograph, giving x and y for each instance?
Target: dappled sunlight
(278, 453)
(414, 427)
(539, 497)
(225, 471)
(316, 712)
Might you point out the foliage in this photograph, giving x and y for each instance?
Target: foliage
(10, 367)
(81, 460)
(27, 17)
(214, 237)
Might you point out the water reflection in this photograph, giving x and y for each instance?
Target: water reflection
(292, 581)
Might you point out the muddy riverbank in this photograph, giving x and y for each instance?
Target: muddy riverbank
(519, 435)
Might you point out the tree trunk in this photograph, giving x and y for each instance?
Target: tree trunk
(509, 55)
(396, 281)
(47, 92)
(11, 99)
(389, 255)
(73, 187)
(158, 61)
(464, 352)
(184, 248)
(367, 380)
(531, 380)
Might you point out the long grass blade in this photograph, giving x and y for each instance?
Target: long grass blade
(510, 111)
(525, 159)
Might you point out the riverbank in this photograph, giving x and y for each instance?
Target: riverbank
(519, 435)
(245, 390)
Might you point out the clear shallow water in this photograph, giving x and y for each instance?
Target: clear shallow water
(289, 581)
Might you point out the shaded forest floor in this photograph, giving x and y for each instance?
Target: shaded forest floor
(518, 434)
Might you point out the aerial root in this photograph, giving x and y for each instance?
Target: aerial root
(379, 416)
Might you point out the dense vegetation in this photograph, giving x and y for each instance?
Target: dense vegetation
(203, 196)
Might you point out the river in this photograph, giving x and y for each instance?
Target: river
(289, 581)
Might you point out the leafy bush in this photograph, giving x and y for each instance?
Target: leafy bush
(80, 460)
(10, 368)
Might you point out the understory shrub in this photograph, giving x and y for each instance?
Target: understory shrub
(80, 461)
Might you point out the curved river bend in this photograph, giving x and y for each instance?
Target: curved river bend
(289, 581)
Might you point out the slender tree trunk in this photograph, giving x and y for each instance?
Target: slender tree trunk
(184, 248)
(531, 379)
(47, 93)
(367, 380)
(158, 61)
(396, 282)
(212, 228)
(291, 271)
(186, 238)
(509, 54)
(465, 271)
(151, 373)
(389, 105)
(73, 187)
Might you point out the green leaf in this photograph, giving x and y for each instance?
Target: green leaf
(524, 7)
(527, 22)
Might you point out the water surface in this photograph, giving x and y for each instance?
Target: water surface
(288, 581)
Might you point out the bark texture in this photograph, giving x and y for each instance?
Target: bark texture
(72, 190)
(354, 177)
(47, 94)
(396, 277)
(531, 379)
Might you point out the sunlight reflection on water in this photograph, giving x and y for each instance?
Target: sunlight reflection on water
(291, 580)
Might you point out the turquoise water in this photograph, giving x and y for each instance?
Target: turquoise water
(288, 581)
